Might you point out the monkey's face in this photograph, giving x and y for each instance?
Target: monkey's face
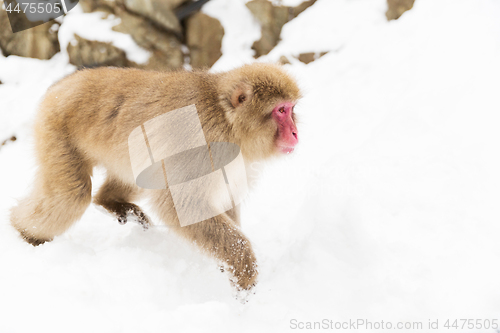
(265, 129)
(286, 134)
(259, 105)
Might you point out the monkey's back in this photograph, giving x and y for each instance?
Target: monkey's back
(95, 110)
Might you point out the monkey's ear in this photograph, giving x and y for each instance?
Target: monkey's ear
(242, 94)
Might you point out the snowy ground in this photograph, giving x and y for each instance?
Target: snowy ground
(387, 211)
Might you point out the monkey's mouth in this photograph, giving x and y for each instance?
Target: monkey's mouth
(286, 150)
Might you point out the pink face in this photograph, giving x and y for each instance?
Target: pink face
(287, 131)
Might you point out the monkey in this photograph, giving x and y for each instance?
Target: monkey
(85, 119)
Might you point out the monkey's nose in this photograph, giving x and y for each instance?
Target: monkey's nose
(294, 139)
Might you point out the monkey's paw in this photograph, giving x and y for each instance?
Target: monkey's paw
(32, 239)
(244, 295)
(243, 278)
(130, 212)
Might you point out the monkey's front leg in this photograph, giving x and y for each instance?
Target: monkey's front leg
(221, 238)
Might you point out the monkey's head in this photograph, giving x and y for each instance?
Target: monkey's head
(258, 101)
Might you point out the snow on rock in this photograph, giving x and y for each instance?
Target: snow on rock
(97, 26)
(241, 29)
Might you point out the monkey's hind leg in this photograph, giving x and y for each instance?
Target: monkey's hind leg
(116, 197)
(61, 194)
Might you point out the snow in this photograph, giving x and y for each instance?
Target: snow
(97, 26)
(388, 210)
(241, 29)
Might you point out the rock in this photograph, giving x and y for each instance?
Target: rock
(89, 53)
(164, 46)
(160, 12)
(110, 5)
(176, 3)
(310, 56)
(162, 40)
(39, 42)
(11, 139)
(307, 57)
(284, 60)
(303, 6)
(396, 8)
(204, 40)
(272, 19)
(107, 6)
(159, 61)
(189, 8)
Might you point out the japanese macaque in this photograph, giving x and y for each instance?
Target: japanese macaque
(85, 121)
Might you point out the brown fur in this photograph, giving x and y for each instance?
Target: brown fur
(85, 120)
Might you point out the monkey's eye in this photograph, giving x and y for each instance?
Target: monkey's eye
(281, 110)
(241, 98)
